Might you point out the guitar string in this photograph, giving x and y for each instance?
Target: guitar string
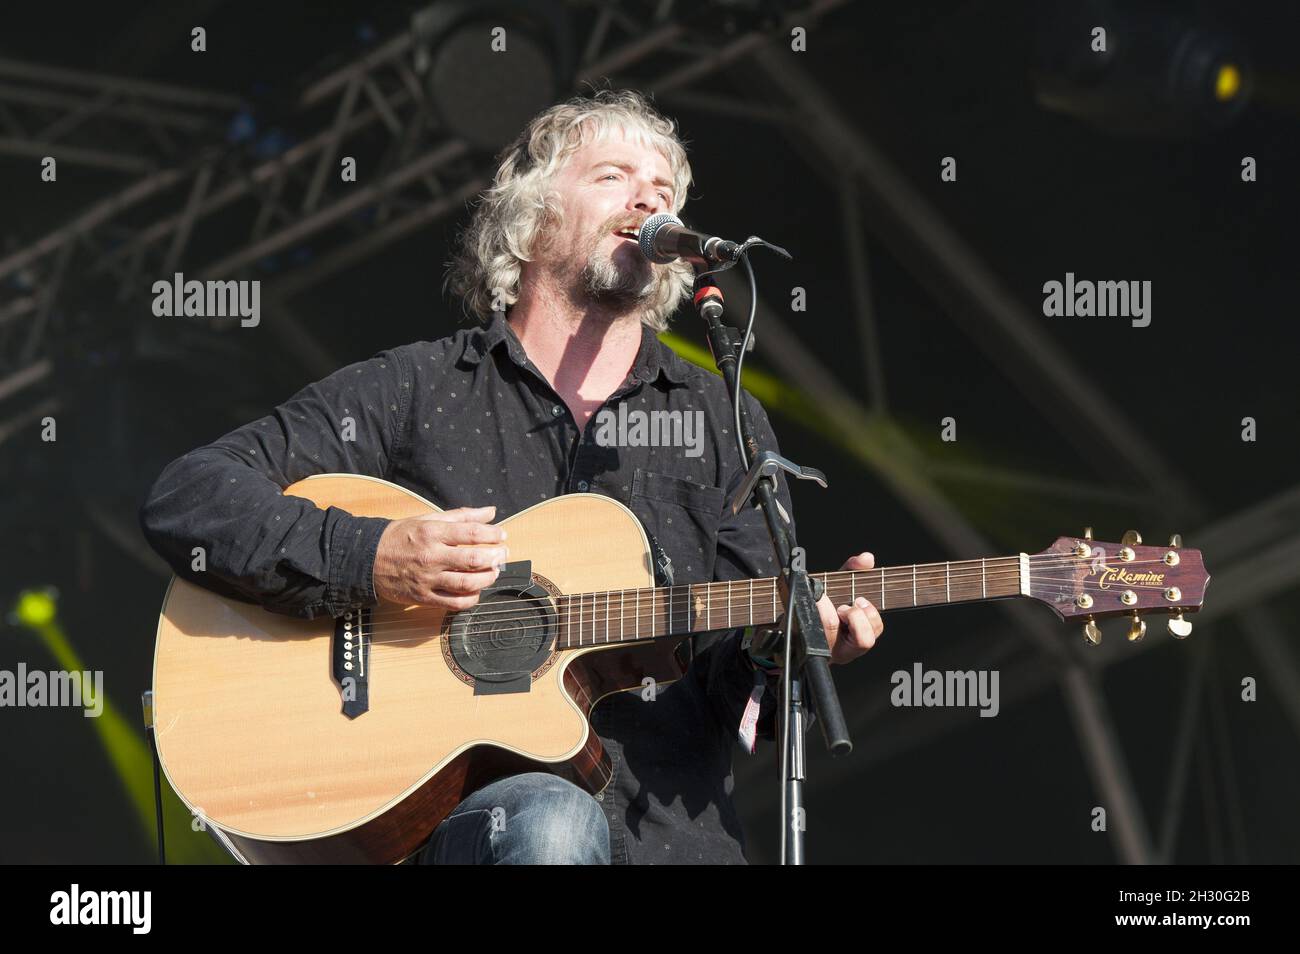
(764, 586)
(760, 582)
(965, 574)
(427, 635)
(652, 619)
(1040, 561)
(584, 615)
(604, 610)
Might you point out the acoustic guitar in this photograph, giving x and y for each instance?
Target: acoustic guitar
(348, 740)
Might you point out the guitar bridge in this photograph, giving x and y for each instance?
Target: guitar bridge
(350, 661)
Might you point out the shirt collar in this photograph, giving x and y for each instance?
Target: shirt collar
(654, 358)
(488, 337)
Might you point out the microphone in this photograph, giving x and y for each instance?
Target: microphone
(663, 239)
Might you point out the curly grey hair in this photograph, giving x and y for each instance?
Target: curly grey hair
(509, 217)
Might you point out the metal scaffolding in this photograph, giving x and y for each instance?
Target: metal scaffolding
(108, 122)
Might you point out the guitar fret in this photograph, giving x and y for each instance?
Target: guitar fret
(698, 615)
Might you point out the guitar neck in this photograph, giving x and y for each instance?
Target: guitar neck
(614, 616)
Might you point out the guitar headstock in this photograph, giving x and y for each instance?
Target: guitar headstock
(1081, 578)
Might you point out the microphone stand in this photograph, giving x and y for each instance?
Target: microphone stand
(807, 653)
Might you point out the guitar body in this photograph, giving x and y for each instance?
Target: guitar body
(250, 726)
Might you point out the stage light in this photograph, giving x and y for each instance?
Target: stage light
(1152, 73)
(123, 743)
(1228, 83)
(36, 607)
(489, 67)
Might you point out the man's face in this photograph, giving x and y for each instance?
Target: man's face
(607, 185)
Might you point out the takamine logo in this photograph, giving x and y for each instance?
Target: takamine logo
(1112, 575)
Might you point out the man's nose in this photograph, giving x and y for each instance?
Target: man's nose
(647, 201)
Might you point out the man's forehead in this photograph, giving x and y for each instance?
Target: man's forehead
(615, 148)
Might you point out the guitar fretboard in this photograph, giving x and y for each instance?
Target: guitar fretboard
(615, 616)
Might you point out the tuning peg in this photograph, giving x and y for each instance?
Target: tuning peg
(1131, 538)
(1176, 541)
(1137, 629)
(1092, 632)
(1179, 628)
(1087, 533)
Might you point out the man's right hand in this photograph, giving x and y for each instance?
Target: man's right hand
(440, 559)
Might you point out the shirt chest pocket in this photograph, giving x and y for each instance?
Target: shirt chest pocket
(683, 517)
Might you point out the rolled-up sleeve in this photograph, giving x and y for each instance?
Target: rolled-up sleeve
(219, 517)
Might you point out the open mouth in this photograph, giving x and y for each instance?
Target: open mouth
(630, 232)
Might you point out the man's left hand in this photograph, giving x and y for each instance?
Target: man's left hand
(851, 630)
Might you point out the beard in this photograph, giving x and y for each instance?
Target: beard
(621, 284)
(621, 280)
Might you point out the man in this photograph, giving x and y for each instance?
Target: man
(495, 419)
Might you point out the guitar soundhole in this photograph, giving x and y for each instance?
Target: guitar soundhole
(506, 637)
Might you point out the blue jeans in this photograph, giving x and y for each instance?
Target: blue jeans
(531, 819)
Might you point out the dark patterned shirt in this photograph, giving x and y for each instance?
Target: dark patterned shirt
(468, 420)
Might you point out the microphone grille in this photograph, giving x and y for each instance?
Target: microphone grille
(646, 236)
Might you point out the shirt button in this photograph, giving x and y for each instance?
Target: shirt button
(555, 411)
(582, 486)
